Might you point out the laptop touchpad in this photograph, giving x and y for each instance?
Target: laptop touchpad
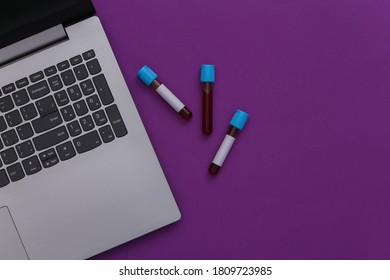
(11, 247)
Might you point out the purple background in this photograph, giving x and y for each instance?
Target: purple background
(309, 177)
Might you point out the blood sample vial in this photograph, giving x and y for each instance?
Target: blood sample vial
(236, 125)
(150, 79)
(207, 78)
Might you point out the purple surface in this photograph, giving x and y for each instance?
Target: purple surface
(309, 176)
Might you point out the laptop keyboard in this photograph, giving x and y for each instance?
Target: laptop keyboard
(55, 114)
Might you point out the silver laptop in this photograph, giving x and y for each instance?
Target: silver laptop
(78, 174)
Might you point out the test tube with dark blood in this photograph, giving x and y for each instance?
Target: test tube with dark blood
(150, 79)
(236, 125)
(207, 78)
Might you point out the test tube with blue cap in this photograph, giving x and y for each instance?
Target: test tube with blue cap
(236, 125)
(150, 79)
(207, 78)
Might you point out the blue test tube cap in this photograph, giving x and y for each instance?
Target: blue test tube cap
(147, 75)
(207, 73)
(239, 119)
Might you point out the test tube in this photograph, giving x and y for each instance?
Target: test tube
(236, 125)
(207, 78)
(150, 79)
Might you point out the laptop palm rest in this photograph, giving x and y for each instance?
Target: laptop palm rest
(11, 247)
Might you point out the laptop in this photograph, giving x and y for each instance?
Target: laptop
(78, 174)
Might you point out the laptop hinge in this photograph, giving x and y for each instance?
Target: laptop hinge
(32, 44)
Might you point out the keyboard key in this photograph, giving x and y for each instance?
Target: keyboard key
(25, 131)
(50, 71)
(15, 172)
(89, 54)
(87, 87)
(116, 121)
(50, 138)
(48, 158)
(103, 89)
(76, 60)
(36, 77)
(9, 137)
(68, 77)
(80, 107)
(20, 97)
(46, 105)
(93, 66)
(3, 178)
(87, 142)
(66, 151)
(50, 162)
(55, 83)
(68, 113)
(3, 125)
(47, 154)
(25, 149)
(99, 117)
(1, 147)
(13, 118)
(29, 112)
(93, 102)
(61, 98)
(74, 128)
(106, 133)
(74, 93)
(9, 156)
(63, 65)
(22, 83)
(9, 88)
(47, 122)
(87, 123)
(81, 72)
(38, 90)
(6, 104)
(31, 165)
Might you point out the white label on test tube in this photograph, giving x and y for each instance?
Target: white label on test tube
(169, 97)
(223, 150)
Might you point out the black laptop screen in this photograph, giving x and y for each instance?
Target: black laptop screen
(21, 18)
(17, 13)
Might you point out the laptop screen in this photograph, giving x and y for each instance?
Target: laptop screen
(22, 18)
(17, 13)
